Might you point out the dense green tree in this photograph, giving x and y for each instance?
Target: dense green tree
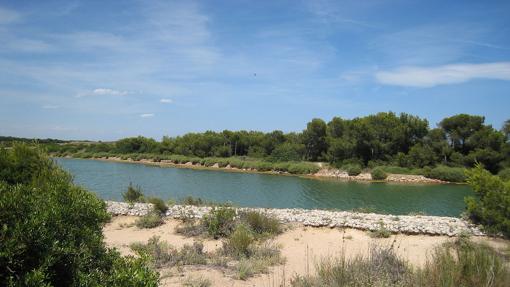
(459, 128)
(288, 152)
(506, 129)
(314, 137)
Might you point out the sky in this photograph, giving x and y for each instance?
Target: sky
(104, 70)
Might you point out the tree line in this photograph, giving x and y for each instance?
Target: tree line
(380, 139)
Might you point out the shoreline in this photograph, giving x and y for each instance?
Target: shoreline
(323, 173)
(404, 224)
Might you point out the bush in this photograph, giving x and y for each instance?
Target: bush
(190, 200)
(378, 174)
(238, 242)
(450, 174)
(51, 230)
(151, 220)
(492, 210)
(464, 263)
(158, 204)
(353, 170)
(504, 174)
(164, 255)
(219, 222)
(303, 168)
(133, 194)
(261, 223)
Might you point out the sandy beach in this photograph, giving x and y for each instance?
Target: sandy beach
(301, 247)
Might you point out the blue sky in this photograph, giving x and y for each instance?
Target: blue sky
(105, 70)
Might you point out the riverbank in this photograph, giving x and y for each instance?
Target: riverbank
(406, 224)
(323, 172)
(301, 248)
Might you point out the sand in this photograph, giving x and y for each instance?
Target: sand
(301, 246)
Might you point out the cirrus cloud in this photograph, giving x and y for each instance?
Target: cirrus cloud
(425, 77)
(102, 92)
(146, 115)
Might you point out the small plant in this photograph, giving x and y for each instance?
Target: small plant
(238, 242)
(133, 194)
(378, 174)
(219, 222)
(261, 223)
(353, 170)
(199, 281)
(162, 254)
(150, 220)
(190, 200)
(158, 204)
(381, 232)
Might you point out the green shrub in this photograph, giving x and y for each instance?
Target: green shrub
(353, 170)
(464, 263)
(261, 223)
(238, 242)
(492, 209)
(380, 232)
(401, 170)
(164, 255)
(52, 231)
(504, 174)
(378, 174)
(450, 174)
(150, 220)
(133, 194)
(190, 200)
(220, 221)
(158, 204)
(303, 168)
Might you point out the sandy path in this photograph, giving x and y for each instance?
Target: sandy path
(301, 246)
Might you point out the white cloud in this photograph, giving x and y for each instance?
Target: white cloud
(50, 107)
(8, 16)
(102, 92)
(166, 101)
(147, 115)
(442, 75)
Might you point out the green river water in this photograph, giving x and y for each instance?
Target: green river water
(110, 179)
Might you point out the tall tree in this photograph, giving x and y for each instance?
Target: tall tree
(315, 139)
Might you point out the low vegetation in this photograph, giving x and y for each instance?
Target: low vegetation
(378, 174)
(462, 263)
(150, 220)
(353, 169)
(133, 194)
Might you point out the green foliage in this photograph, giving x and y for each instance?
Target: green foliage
(133, 194)
(492, 209)
(51, 230)
(314, 138)
(190, 200)
(261, 223)
(220, 221)
(353, 169)
(385, 138)
(238, 242)
(504, 174)
(380, 232)
(302, 168)
(378, 174)
(150, 220)
(451, 174)
(159, 205)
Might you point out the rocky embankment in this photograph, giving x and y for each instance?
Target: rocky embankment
(432, 225)
(404, 178)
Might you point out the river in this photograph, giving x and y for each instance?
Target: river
(110, 179)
